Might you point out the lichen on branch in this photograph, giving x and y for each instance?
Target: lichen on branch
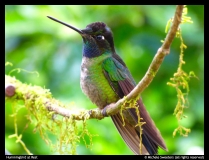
(180, 79)
(48, 115)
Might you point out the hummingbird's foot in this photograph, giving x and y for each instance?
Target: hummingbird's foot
(104, 113)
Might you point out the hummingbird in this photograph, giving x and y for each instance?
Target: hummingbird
(105, 79)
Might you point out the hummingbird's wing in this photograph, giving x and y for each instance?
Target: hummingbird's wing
(122, 83)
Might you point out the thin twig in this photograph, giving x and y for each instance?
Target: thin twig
(155, 65)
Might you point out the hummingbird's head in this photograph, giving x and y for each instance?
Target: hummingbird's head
(98, 35)
(97, 38)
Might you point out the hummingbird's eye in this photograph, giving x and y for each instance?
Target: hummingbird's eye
(100, 37)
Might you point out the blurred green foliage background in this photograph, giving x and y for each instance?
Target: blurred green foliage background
(35, 43)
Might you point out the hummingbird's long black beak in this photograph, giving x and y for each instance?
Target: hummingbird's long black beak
(75, 29)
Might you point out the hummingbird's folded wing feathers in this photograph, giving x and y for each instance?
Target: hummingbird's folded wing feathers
(122, 83)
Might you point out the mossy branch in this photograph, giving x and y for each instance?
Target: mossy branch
(19, 90)
(31, 94)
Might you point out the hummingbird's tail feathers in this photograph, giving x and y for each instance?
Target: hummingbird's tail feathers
(151, 135)
(151, 147)
(149, 128)
(129, 135)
